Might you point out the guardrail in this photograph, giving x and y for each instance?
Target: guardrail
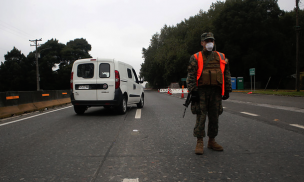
(174, 90)
(18, 102)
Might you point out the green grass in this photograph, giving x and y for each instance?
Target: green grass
(293, 93)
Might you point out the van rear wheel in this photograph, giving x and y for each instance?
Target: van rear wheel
(80, 109)
(122, 108)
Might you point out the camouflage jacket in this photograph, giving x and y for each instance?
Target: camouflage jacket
(192, 71)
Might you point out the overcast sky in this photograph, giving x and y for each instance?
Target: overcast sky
(116, 29)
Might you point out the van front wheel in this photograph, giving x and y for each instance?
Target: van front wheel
(80, 109)
(141, 102)
(122, 108)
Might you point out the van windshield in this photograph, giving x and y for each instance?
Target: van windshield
(104, 70)
(85, 70)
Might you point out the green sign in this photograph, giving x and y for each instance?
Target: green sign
(184, 79)
(252, 71)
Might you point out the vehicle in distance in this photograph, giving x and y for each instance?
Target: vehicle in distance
(104, 82)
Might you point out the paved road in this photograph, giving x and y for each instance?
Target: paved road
(59, 145)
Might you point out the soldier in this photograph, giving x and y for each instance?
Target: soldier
(209, 82)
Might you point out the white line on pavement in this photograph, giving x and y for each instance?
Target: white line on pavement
(33, 116)
(249, 114)
(297, 125)
(138, 114)
(286, 108)
(130, 180)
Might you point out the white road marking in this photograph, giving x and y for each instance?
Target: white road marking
(130, 180)
(138, 114)
(294, 109)
(297, 125)
(34, 116)
(249, 114)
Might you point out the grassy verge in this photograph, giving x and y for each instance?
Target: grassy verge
(274, 92)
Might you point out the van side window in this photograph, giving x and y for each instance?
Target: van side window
(129, 73)
(85, 70)
(104, 70)
(135, 76)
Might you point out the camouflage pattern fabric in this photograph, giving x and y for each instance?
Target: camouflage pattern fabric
(210, 102)
(210, 105)
(207, 35)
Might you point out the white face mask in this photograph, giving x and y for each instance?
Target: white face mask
(209, 46)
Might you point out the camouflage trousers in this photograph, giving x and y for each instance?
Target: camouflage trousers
(210, 103)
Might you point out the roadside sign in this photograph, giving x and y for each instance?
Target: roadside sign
(252, 71)
(184, 79)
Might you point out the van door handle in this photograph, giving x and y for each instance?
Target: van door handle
(134, 86)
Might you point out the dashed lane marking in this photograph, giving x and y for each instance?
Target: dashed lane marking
(130, 180)
(297, 125)
(33, 116)
(138, 114)
(251, 114)
(286, 108)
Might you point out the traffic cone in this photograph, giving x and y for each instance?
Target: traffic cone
(168, 91)
(158, 90)
(182, 94)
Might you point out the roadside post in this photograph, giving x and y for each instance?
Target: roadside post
(252, 73)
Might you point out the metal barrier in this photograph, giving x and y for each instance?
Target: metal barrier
(174, 91)
(13, 98)
(18, 102)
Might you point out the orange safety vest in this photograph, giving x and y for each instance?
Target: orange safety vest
(200, 64)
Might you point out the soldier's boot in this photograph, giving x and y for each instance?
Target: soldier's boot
(199, 150)
(213, 145)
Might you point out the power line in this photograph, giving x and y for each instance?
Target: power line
(13, 30)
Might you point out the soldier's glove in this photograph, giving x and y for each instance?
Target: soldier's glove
(226, 95)
(195, 96)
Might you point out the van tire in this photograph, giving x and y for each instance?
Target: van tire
(80, 109)
(122, 108)
(141, 102)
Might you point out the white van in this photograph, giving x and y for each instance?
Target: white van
(104, 82)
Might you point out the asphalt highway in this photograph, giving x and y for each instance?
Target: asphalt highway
(262, 138)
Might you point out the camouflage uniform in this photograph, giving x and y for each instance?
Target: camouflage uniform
(210, 96)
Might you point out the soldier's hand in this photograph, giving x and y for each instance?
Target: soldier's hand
(226, 95)
(194, 96)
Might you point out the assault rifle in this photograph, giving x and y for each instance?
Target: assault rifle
(187, 102)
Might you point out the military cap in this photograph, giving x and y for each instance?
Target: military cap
(207, 35)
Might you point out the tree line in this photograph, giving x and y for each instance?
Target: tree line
(18, 72)
(252, 34)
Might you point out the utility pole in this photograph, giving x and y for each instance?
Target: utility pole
(37, 67)
(297, 47)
